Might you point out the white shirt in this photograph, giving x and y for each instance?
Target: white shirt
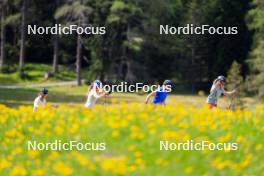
(38, 102)
(215, 93)
(91, 99)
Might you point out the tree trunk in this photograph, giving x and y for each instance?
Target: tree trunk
(79, 59)
(23, 38)
(79, 53)
(55, 67)
(3, 37)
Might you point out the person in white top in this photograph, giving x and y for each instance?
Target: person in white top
(95, 93)
(41, 100)
(217, 90)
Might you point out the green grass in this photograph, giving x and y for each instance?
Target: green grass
(59, 95)
(35, 73)
(77, 95)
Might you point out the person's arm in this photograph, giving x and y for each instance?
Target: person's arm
(149, 96)
(229, 93)
(98, 95)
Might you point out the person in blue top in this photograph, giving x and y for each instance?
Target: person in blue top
(217, 90)
(160, 94)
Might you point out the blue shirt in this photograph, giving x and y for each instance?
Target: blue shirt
(161, 96)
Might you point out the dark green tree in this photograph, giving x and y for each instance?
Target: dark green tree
(256, 24)
(77, 12)
(124, 19)
(3, 7)
(23, 37)
(55, 63)
(235, 81)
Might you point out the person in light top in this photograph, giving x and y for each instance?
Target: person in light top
(95, 93)
(161, 93)
(217, 90)
(41, 99)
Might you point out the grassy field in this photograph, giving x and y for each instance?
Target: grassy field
(35, 74)
(130, 130)
(131, 134)
(77, 95)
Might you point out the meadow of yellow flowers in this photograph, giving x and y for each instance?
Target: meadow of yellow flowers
(132, 135)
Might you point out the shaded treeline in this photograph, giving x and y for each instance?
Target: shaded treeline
(132, 48)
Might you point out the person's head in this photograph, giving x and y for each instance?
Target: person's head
(44, 93)
(221, 80)
(167, 84)
(98, 85)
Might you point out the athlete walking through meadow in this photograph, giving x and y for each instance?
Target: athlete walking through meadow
(217, 90)
(41, 99)
(160, 94)
(96, 92)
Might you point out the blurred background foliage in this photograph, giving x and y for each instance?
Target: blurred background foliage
(132, 48)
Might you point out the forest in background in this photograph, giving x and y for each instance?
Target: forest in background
(132, 48)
